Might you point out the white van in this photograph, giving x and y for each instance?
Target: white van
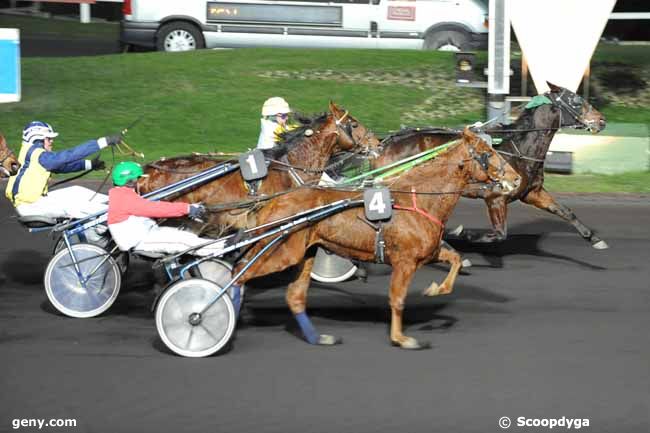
(173, 25)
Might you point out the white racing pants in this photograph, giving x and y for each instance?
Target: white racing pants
(170, 240)
(72, 202)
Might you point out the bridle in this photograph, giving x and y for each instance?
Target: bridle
(483, 160)
(573, 106)
(564, 102)
(347, 129)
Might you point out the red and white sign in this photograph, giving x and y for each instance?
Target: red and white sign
(401, 13)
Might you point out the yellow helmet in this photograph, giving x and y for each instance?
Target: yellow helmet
(275, 105)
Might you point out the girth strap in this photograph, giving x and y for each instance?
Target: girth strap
(380, 242)
(416, 209)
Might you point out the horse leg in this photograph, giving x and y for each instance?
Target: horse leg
(297, 300)
(465, 263)
(399, 283)
(543, 200)
(497, 211)
(452, 257)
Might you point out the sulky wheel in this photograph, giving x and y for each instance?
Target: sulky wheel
(106, 243)
(73, 297)
(218, 271)
(183, 325)
(330, 268)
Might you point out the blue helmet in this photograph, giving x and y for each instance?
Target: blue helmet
(37, 130)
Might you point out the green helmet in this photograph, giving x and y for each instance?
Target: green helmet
(126, 171)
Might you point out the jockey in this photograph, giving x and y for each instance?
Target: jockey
(274, 121)
(27, 190)
(130, 218)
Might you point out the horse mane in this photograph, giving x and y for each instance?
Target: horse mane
(407, 133)
(290, 139)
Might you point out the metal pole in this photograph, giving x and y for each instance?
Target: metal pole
(84, 13)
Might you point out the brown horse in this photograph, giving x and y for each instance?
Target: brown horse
(306, 149)
(525, 144)
(412, 235)
(9, 164)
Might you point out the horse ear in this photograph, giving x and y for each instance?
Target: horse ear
(334, 109)
(468, 134)
(553, 87)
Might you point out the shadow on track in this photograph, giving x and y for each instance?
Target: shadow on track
(523, 244)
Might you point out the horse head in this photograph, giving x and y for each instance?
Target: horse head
(487, 166)
(353, 136)
(9, 164)
(574, 110)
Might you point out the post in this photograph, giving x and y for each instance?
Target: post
(524, 75)
(498, 60)
(84, 12)
(585, 82)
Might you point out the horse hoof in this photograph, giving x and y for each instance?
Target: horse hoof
(412, 344)
(467, 263)
(328, 340)
(432, 290)
(600, 245)
(457, 231)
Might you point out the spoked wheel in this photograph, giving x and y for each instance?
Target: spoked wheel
(106, 243)
(76, 298)
(185, 328)
(330, 268)
(218, 271)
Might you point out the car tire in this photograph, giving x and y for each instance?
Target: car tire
(179, 36)
(447, 40)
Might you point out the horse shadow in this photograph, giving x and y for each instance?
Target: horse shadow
(518, 244)
(425, 313)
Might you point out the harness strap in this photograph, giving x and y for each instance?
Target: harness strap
(380, 242)
(418, 210)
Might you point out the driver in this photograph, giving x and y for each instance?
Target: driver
(274, 121)
(27, 190)
(130, 218)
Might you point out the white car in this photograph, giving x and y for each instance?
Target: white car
(172, 25)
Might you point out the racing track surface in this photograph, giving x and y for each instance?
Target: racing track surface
(544, 326)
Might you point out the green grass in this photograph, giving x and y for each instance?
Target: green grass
(206, 100)
(635, 182)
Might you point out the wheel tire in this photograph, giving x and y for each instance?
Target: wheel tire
(330, 268)
(212, 332)
(66, 293)
(447, 40)
(179, 36)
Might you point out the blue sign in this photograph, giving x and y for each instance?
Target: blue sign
(10, 69)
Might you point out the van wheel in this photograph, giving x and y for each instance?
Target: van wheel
(179, 36)
(447, 40)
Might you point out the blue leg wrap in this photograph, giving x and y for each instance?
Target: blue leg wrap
(236, 299)
(307, 328)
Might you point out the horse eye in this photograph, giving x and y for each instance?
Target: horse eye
(355, 124)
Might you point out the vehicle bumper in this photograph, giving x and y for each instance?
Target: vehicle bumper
(478, 41)
(142, 34)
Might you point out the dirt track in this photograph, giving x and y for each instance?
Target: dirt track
(544, 326)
